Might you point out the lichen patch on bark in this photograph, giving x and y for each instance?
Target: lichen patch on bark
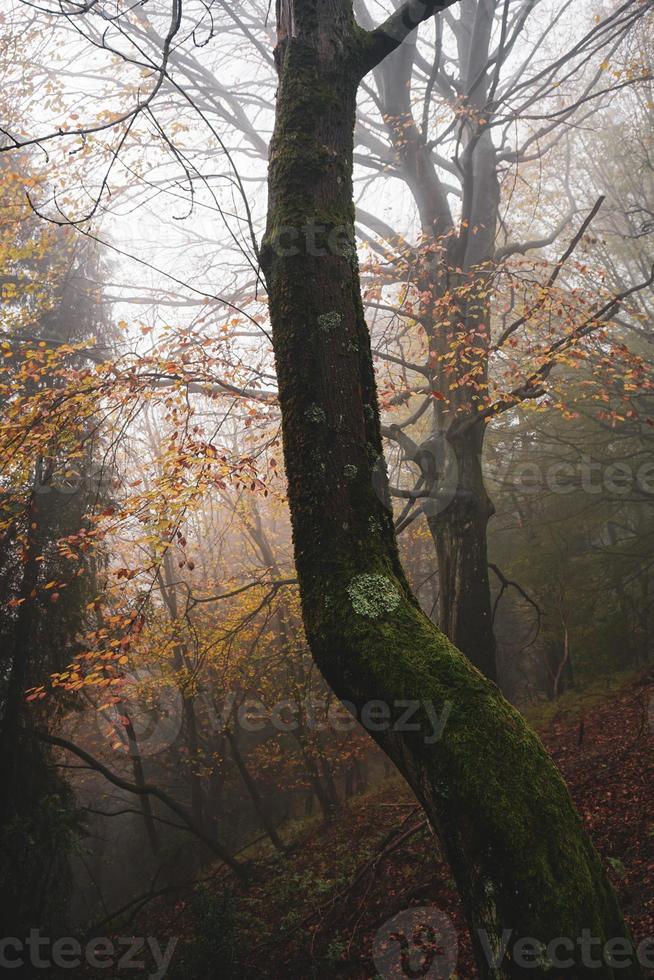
(373, 595)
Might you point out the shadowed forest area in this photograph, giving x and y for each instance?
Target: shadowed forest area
(327, 489)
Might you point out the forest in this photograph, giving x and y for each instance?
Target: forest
(327, 489)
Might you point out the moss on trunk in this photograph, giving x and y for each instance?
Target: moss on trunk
(517, 848)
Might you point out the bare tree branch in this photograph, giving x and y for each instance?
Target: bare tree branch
(388, 36)
(146, 789)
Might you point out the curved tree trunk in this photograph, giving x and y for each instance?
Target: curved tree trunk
(516, 845)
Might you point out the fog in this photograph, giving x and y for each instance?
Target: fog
(178, 759)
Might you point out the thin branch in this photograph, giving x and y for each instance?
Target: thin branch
(519, 248)
(511, 329)
(273, 586)
(507, 583)
(146, 789)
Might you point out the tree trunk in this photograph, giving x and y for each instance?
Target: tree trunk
(453, 263)
(516, 845)
(21, 655)
(251, 786)
(459, 532)
(139, 779)
(325, 792)
(188, 699)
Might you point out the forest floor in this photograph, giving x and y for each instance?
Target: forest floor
(316, 912)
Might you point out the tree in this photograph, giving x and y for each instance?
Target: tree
(516, 845)
(47, 493)
(462, 121)
(454, 127)
(573, 525)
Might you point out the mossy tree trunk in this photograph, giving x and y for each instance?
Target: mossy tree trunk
(516, 845)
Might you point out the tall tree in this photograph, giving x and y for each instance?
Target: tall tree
(48, 490)
(516, 845)
(453, 127)
(491, 75)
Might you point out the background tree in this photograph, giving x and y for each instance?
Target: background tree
(51, 480)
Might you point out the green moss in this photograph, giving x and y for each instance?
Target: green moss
(372, 453)
(373, 595)
(314, 413)
(349, 252)
(496, 792)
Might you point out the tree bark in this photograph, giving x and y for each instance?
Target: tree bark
(516, 845)
(459, 533)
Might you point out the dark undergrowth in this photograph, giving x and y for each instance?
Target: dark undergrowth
(315, 913)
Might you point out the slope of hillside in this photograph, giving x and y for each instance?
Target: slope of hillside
(318, 912)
